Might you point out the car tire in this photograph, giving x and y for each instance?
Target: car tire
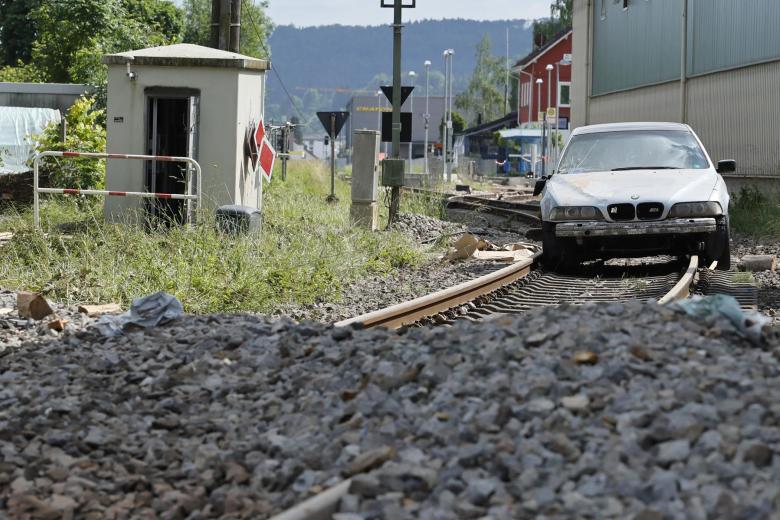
(719, 246)
(557, 255)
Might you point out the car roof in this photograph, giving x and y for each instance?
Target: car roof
(628, 127)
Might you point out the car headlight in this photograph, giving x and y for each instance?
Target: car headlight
(576, 213)
(696, 209)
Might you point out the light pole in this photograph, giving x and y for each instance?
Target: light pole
(447, 107)
(413, 76)
(539, 83)
(449, 112)
(548, 146)
(427, 112)
(447, 64)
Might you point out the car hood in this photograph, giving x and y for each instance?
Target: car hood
(599, 188)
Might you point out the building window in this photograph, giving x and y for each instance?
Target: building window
(525, 95)
(564, 94)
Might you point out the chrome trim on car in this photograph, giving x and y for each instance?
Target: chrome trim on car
(664, 227)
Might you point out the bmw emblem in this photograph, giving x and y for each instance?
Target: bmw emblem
(634, 197)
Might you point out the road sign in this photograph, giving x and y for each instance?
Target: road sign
(387, 127)
(336, 125)
(541, 117)
(405, 93)
(566, 59)
(406, 4)
(552, 112)
(267, 156)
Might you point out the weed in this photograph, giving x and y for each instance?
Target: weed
(308, 251)
(743, 277)
(753, 213)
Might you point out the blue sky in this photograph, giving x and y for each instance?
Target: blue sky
(367, 12)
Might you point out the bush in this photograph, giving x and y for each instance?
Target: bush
(84, 134)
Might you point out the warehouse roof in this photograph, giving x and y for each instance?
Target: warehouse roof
(187, 55)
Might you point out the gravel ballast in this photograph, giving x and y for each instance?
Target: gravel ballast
(376, 292)
(612, 411)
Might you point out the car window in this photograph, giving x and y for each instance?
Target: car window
(640, 149)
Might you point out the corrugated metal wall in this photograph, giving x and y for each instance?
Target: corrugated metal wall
(657, 103)
(729, 33)
(641, 45)
(737, 116)
(636, 46)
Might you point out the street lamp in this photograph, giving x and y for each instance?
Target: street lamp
(427, 112)
(548, 144)
(413, 76)
(539, 83)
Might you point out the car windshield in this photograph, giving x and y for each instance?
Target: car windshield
(633, 150)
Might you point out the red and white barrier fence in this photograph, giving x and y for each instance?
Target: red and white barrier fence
(188, 196)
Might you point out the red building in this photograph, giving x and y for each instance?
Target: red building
(556, 55)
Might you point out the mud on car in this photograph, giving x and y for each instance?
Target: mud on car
(633, 190)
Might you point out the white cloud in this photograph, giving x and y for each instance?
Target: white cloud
(368, 12)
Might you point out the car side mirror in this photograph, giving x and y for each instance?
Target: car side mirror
(539, 186)
(727, 166)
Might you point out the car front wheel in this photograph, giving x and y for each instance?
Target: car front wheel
(557, 255)
(719, 246)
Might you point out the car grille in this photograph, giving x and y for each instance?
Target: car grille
(621, 211)
(649, 210)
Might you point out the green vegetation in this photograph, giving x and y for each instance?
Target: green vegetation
(483, 99)
(307, 252)
(743, 277)
(85, 134)
(65, 40)
(753, 213)
(545, 29)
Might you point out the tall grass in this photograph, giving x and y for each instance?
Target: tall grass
(308, 251)
(755, 214)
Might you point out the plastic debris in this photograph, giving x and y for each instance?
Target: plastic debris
(147, 312)
(749, 324)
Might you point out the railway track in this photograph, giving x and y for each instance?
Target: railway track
(525, 285)
(521, 287)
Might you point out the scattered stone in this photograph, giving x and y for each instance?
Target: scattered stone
(244, 416)
(586, 357)
(576, 403)
(33, 306)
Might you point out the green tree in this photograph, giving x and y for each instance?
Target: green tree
(484, 95)
(85, 134)
(17, 33)
(73, 35)
(256, 26)
(560, 19)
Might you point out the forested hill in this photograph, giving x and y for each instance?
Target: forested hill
(354, 57)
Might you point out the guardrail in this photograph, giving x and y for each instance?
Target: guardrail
(188, 196)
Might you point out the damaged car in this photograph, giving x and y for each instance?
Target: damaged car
(635, 190)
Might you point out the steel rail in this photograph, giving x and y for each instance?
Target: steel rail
(683, 288)
(412, 311)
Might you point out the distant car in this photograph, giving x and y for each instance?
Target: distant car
(633, 190)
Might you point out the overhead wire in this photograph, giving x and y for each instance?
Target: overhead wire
(304, 122)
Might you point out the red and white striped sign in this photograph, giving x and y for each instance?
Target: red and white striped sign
(267, 158)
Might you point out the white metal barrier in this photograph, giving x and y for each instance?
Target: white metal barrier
(188, 196)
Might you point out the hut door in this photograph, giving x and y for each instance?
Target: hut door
(172, 130)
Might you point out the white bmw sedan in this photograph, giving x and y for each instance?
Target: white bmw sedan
(635, 189)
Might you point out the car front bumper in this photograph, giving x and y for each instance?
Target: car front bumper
(616, 229)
